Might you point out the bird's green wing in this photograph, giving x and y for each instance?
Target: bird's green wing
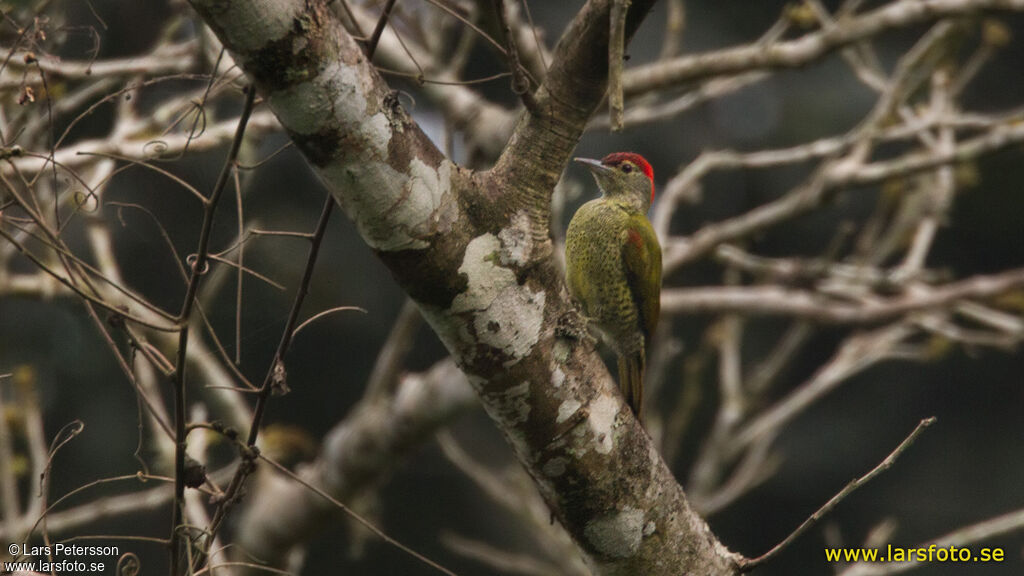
(641, 256)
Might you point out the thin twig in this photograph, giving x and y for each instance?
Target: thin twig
(964, 536)
(275, 373)
(371, 44)
(750, 564)
(520, 80)
(856, 354)
(198, 269)
(538, 44)
(240, 262)
(323, 313)
(448, 10)
(360, 519)
(112, 308)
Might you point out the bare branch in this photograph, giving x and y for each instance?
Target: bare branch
(810, 47)
(168, 59)
(616, 58)
(857, 353)
(980, 532)
(778, 300)
(371, 44)
(520, 80)
(835, 500)
(198, 270)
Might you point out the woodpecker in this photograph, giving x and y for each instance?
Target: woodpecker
(613, 264)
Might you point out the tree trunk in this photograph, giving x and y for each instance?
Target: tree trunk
(473, 251)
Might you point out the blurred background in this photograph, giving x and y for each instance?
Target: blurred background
(967, 468)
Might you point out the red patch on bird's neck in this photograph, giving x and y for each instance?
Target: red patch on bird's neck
(616, 158)
(635, 239)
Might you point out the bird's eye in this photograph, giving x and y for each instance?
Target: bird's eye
(627, 168)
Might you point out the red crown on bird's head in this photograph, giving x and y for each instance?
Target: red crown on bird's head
(617, 158)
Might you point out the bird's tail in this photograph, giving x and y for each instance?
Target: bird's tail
(631, 381)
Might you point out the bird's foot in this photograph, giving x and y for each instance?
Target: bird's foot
(573, 326)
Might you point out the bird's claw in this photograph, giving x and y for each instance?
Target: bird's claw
(573, 326)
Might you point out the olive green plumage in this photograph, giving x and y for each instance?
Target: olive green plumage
(613, 264)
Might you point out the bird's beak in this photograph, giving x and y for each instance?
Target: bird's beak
(594, 166)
